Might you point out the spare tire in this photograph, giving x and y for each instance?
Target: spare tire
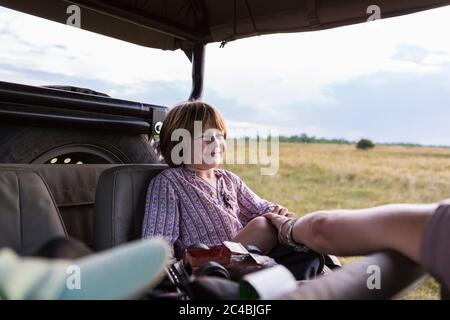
(19, 144)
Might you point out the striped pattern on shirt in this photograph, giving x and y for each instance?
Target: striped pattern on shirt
(185, 210)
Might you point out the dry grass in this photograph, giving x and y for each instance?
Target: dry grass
(314, 177)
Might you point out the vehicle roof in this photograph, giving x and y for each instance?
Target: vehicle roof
(174, 24)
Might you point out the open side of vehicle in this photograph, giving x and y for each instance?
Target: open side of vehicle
(102, 204)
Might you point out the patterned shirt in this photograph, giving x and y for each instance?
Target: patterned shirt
(185, 210)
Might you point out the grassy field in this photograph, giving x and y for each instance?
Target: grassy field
(314, 177)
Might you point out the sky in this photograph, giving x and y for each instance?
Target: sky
(388, 80)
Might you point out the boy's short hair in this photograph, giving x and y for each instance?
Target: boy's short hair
(183, 116)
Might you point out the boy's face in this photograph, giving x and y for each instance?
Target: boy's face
(213, 147)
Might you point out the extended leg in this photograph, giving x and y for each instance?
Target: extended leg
(258, 232)
(359, 232)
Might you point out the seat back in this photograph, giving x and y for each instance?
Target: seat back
(73, 189)
(28, 213)
(120, 203)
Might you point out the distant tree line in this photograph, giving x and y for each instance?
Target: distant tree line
(304, 138)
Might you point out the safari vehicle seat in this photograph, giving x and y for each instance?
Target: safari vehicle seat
(72, 188)
(28, 213)
(120, 203)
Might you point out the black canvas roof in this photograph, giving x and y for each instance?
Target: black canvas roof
(174, 24)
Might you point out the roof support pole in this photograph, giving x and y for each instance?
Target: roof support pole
(198, 64)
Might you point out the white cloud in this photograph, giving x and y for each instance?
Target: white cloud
(30, 43)
(281, 69)
(437, 59)
(264, 71)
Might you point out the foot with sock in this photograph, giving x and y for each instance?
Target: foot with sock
(123, 272)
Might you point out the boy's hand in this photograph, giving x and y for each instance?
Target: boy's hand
(282, 211)
(281, 223)
(276, 219)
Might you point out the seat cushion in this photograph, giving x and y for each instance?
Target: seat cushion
(28, 213)
(120, 203)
